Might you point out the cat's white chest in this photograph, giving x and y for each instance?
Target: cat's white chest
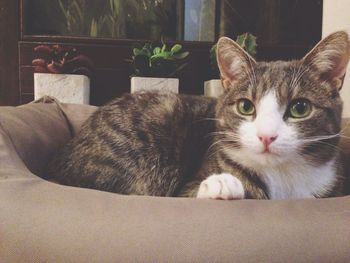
(299, 181)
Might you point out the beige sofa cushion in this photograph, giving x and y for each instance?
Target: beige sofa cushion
(45, 222)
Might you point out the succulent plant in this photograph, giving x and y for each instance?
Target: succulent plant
(247, 41)
(61, 60)
(149, 61)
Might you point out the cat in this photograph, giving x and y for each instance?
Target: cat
(273, 134)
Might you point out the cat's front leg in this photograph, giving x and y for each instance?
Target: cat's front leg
(221, 186)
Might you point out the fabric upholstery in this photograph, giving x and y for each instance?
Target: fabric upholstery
(42, 221)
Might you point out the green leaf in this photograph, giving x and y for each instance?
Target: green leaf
(241, 40)
(164, 55)
(248, 42)
(156, 50)
(111, 5)
(136, 51)
(147, 49)
(78, 10)
(163, 47)
(93, 28)
(251, 44)
(176, 48)
(144, 52)
(181, 55)
(157, 61)
(117, 8)
(63, 9)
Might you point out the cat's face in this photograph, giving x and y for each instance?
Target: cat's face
(281, 112)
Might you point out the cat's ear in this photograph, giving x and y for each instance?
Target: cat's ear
(329, 58)
(234, 63)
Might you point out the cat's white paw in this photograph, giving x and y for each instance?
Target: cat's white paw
(221, 186)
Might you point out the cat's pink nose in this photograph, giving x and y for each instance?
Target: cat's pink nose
(267, 139)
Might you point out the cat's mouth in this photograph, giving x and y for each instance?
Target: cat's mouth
(268, 152)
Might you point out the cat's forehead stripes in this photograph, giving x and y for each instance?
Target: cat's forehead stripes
(292, 80)
(267, 77)
(270, 76)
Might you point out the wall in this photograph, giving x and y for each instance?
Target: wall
(336, 16)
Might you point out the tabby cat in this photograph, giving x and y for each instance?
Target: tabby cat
(273, 134)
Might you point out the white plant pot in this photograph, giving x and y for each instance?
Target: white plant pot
(67, 88)
(151, 84)
(213, 88)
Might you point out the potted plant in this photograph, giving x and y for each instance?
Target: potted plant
(213, 87)
(154, 68)
(62, 73)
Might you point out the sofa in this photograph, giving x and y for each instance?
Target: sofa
(41, 221)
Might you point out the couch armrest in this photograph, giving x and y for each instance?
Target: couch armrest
(37, 130)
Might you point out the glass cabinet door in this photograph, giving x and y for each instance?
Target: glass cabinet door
(122, 19)
(274, 22)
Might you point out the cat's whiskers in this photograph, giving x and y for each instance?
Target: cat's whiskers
(213, 144)
(247, 72)
(293, 76)
(302, 69)
(330, 145)
(213, 151)
(340, 134)
(221, 137)
(325, 137)
(222, 143)
(344, 136)
(226, 134)
(253, 72)
(319, 138)
(278, 152)
(228, 140)
(300, 75)
(319, 142)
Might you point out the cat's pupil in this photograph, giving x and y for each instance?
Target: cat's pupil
(300, 107)
(247, 106)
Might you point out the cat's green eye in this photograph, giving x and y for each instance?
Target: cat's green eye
(245, 107)
(300, 108)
